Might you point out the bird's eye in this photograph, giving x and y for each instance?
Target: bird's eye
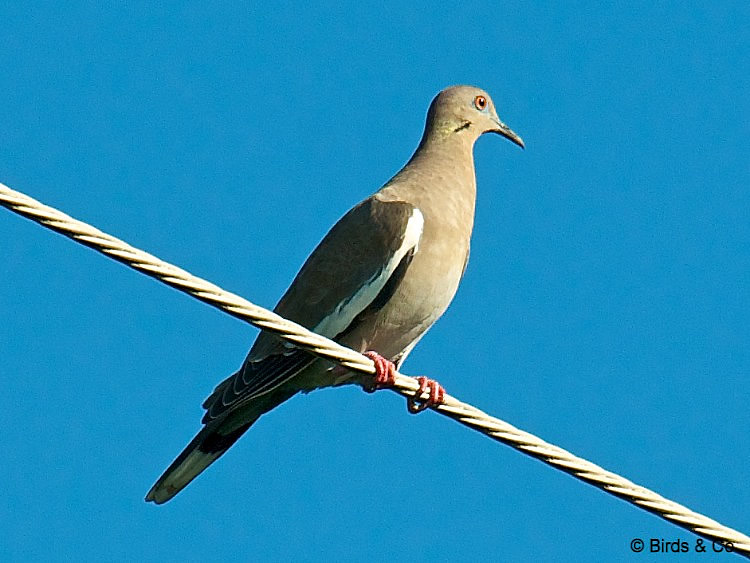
(480, 102)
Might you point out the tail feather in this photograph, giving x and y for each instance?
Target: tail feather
(207, 446)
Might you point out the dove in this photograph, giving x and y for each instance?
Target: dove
(380, 278)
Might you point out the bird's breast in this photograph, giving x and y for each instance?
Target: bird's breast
(422, 295)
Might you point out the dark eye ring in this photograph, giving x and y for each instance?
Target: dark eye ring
(480, 102)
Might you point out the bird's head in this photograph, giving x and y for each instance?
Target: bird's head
(467, 111)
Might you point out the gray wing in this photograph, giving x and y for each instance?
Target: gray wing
(351, 274)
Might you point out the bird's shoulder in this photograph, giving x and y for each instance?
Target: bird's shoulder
(356, 252)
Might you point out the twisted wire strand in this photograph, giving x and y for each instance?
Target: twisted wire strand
(406, 386)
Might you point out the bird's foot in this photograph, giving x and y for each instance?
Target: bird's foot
(385, 372)
(435, 392)
(385, 376)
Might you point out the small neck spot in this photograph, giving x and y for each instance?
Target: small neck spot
(465, 125)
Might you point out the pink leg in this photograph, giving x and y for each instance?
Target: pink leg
(435, 391)
(385, 377)
(384, 371)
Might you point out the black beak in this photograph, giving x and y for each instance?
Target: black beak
(507, 132)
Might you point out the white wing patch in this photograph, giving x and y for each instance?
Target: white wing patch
(345, 312)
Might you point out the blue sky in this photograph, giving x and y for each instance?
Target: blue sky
(605, 307)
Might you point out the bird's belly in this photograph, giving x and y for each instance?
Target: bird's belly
(421, 298)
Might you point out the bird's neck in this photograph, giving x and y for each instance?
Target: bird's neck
(440, 174)
(450, 158)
